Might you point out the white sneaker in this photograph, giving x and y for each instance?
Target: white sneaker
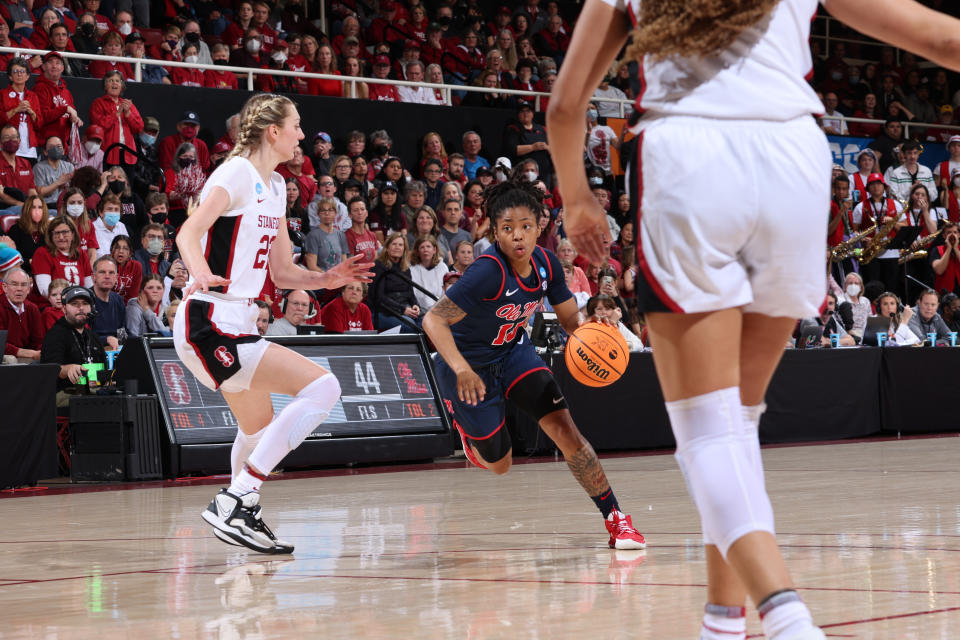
(237, 520)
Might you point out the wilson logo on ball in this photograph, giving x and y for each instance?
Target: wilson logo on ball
(224, 356)
(593, 367)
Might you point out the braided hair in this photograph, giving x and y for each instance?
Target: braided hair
(259, 112)
(693, 28)
(515, 192)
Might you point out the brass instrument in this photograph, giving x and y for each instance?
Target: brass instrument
(919, 248)
(880, 241)
(846, 249)
(882, 237)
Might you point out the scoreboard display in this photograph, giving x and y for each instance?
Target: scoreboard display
(386, 385)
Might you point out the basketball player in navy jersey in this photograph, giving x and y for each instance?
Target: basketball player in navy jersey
(486, 356)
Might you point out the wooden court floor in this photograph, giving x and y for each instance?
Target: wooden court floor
(871, 532)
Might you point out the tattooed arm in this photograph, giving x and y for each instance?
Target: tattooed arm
(437, 323)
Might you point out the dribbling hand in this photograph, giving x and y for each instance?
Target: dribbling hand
(470, 387)
(203, 282)
(586, 227)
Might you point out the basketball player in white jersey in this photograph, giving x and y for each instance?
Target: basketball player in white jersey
(238, 229)
(723, 281)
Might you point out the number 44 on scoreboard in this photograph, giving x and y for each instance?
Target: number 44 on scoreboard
(366, 382)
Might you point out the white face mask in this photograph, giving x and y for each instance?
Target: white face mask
(279, 57)
(192, 59)
(91, 146)
(126, 28)
(253, 46)
(75, 210)
(853, 290)
(531, 176)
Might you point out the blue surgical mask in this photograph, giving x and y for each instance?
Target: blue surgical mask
(592, 114)
(111, 218)
(147, 139)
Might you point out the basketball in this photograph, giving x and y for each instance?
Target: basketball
(597, 354)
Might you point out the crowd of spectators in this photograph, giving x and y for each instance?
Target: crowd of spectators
(95, 198)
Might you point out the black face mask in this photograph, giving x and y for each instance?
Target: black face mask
(192, 37)
(380, 149)
(159, 218)
(444, 20)
(117, 186)
(221, 63)
(186, 162)
(87, 29)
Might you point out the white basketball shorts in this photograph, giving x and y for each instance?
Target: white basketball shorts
(731, 213)
(216, 338)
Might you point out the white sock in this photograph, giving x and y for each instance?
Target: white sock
(243, 446)
(784, 615)
(724, 623)
(246, 482)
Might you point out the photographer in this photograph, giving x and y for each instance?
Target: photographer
(945, 260)
(71, 344)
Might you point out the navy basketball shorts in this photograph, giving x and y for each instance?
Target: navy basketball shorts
(487, 417)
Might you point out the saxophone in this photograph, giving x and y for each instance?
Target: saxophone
(882, 237)
(919, 248)
(847, 248)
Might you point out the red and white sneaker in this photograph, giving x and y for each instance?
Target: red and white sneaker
(622, 533)
(467, 449)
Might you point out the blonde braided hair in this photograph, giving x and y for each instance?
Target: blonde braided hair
(693, 28)
(259, 112)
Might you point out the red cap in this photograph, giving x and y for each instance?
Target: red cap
(875, 177)
(504, 10)
(94, 132)
(221, 147)
(52, 54)
(280, 44)
(388, 5)
(411, 44)
(382, 59)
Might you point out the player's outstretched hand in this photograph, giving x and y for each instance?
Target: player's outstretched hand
(203, 282)
(470, 387)
(587, 228)
(350, 270)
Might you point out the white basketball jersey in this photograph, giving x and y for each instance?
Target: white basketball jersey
(760, 76)
(237, 246)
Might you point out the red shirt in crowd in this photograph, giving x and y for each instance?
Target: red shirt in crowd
(168, 148)
(949, 280)
(24, 330)
(74, 270)
(106, 112)
(9, 99)
(18, 176)
(337, 318)
(187, 77)
(219, 79)
(365, 243)
(49, 317)
(129, 276)
(54, 100)
(100, 68)
(319, 87)
(384, 92)
(308, 186)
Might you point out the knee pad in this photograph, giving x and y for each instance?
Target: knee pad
(493, 448)
(716, 458)
(313, 403)
(538, 394)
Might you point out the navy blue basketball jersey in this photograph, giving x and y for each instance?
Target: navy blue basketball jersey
(499, 303)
